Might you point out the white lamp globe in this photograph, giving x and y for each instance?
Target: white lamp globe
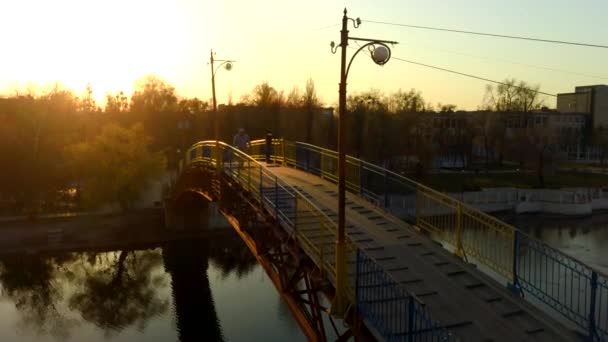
(380, 55)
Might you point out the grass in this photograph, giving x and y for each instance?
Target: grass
(458, 182)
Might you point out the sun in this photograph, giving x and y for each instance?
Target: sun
(108, 44)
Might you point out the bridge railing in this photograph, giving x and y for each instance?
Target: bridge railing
(395, 314)
(316, 233)
(551, 278)
(312, 227)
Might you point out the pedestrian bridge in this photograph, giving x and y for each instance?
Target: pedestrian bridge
(419, 265)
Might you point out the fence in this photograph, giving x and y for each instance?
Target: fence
(395, 314)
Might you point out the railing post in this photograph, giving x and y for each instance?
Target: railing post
(357, 278)
(261, 188)
(218, 157)
(295, 214)
(411, 311)
(360, 177)
(459, 247)
(249, 178)
(386, 197)
(592, 324)
(307, 162)
(283, 151)
(276, 199)
(515, 287)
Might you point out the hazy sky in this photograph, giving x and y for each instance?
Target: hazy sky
(111, 43)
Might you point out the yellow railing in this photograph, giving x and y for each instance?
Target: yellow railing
(313, 229)
(471, 233)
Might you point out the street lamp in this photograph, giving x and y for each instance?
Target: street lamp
(228, 66)
(380, 53)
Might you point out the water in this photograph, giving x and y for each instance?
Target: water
(585, 239)
(178, 291)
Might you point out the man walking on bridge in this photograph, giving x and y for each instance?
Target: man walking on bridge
(241, 141)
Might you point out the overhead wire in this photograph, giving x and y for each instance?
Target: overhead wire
(470, 76)
(488, 34)
(522, 64)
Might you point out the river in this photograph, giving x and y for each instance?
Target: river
(209, 289)
(186, 290)
(584, 238)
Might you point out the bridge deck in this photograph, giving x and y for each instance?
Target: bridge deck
(464, 300)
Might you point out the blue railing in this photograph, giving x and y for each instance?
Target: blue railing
(559, 281)
(395, 314)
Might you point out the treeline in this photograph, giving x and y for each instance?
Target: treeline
(53, 141)
(57, 141)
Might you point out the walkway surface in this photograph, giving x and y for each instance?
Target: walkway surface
(466, 301)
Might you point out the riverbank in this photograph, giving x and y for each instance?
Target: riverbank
(568, 201)
(101, 232)
(461, 182)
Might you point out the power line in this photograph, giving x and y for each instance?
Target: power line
(520, 63)
(489, 34)
(325, 27)
(464, 74)
(472, 76)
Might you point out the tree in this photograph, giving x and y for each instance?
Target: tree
(368, 111)
(87, 102)
(116, 166)
(264, 95)
(310, 102)
(294, 98)
(33, 134)
(191, 106)
(411, 101)
(534, 145)
(446, 108)
(116, 103)
(490, 128)
(512, 96)
(153, 95)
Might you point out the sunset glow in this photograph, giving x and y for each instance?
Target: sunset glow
(113, 43)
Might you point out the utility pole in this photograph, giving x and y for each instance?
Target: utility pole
(380, 54)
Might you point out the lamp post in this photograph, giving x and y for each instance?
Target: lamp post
(228, 66)
(380, 53)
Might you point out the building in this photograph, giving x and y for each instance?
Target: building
(587, 99)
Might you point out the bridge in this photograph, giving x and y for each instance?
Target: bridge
(418, 266)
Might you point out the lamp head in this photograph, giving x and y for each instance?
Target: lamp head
(228, 66)
(381, 54)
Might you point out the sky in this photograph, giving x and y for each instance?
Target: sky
(112, 43)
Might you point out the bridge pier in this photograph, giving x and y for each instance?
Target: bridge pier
(193, 214)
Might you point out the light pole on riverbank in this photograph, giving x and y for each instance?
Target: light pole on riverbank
(228, 66)
(380, 53)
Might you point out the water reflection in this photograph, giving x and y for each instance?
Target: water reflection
(584, 238)
(30, 283)
(125, 294)
(118, 289)
(193, 304)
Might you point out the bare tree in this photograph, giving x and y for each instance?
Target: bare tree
(512, 96)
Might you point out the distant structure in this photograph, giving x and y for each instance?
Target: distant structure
(591, 100)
